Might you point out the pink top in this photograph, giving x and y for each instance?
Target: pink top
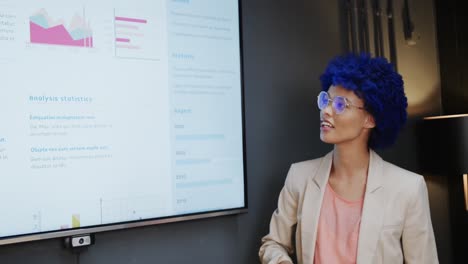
(338, 229)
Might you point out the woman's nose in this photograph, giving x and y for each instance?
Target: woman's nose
(328, 110)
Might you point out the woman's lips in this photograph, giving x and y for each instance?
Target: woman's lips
(326, 125)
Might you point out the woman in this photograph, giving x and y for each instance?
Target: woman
(350, 206)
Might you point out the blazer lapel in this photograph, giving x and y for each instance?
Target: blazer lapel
(372, 211)
(313, 195)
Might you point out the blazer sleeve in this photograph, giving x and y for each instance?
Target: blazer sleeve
(418, 237)
(277, 245)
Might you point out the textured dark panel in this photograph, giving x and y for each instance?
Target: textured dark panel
(453, 54)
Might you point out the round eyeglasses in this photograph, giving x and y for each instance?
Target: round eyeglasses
(339, 103)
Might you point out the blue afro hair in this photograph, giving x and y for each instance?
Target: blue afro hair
(376, 82)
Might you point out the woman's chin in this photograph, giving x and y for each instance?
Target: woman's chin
(326, 139)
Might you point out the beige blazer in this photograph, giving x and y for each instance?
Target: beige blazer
(395, 224)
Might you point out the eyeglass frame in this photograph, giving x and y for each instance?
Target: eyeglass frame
(346, 100)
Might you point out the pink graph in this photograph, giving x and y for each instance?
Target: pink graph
(44, 30)
(56, 35)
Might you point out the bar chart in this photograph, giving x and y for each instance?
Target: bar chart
(137, 36)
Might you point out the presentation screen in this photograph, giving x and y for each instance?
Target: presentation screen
(118, 112)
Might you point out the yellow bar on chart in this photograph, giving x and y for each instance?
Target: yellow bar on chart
(76, 220)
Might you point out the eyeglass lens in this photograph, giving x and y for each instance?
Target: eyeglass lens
(338, 103)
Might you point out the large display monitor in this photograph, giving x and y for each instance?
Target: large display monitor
(117, 114)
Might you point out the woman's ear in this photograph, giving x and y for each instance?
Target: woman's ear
(369, 122)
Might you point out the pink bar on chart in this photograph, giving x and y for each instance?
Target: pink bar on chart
(122, 40)
(125, 26)
(129, 19)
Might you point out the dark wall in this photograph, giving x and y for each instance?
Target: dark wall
(286, 46)
(452, 29)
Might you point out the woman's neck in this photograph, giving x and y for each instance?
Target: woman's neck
(350, 163)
